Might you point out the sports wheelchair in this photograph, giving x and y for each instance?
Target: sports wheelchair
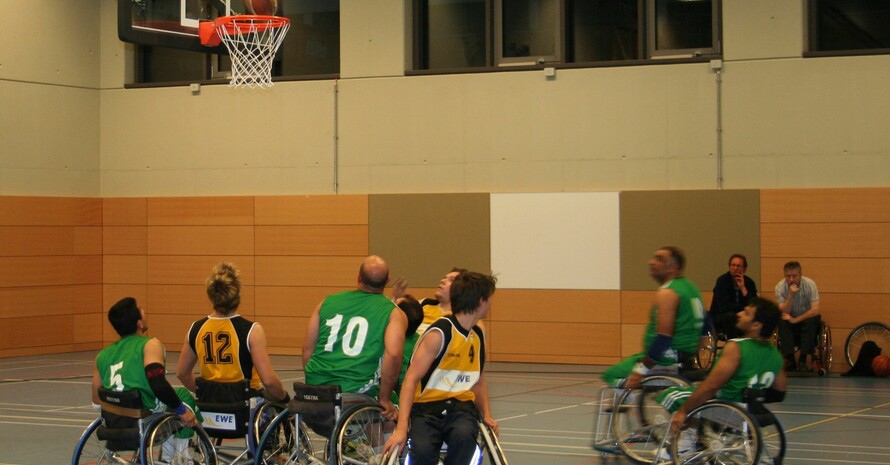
(487, 447)
(822, 351)
(872, 331)
(128, 434)
(354, 436)
(726, 432)
(235, 416)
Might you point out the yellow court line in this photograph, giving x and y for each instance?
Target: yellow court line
(836, 418)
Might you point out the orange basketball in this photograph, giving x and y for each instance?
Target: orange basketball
(881, 366)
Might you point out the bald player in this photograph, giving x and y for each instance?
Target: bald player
(355, 339)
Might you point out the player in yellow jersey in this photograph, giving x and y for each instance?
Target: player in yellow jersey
(229, 347)
(444, 391)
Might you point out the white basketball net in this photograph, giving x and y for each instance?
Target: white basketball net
(252, 43)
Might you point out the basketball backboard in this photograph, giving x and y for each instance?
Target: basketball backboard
(171, 23)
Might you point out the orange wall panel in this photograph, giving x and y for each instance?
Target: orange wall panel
(312, 210)
(124, 269)
(50, 211)
(200, 240)
(307, 271)
(290, 301)
(178, 269)
(124, 240)
(200, 211)
(312, 240)
(124, 212)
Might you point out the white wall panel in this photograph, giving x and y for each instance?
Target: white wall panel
(555, 241)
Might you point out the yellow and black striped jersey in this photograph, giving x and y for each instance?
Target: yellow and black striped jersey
(458, 364)
(222, 347)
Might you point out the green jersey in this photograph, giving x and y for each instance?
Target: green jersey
(759, 364)
(350, 342)
(121, 367)
(688, 321)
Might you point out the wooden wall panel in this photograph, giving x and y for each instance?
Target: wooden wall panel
(87, 298)
(826, 240)
(825, 205)
(291, 301)
(50, 270)
(44, 300)
(177, 269)
(50, 240)
(602, 340)
(37, 331)
(124, 269)
(312, 210)
(632, 339)
(200, 211)
(170, 329)
(285, 335)
(850, 310)
(322, 240)
(200, 240)
(307, 271)
(556, 305)
(188, 299)
(125, 240)
(124, 212)
(112, 292)
(855, 275)
(88, 328)
(50, 211)
(635, 306)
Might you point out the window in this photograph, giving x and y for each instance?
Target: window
(311, 48)
(453, 34)
(851, 26)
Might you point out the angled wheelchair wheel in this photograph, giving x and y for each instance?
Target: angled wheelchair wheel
(772, 437)
(822, 363)
(707, 350)
(871, 331)
(359, 436)
(262, 418)
(640, 423)
(92, 450)
(168, 441)
(724, 433)
(488, 442)
(278, 447)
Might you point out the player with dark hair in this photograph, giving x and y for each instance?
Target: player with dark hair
(136, 361)
(675, 322)
(445, 389)
(732, 292)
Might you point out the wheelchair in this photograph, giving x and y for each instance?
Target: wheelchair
(127, 434)
(488, 450)
(726, 432)
(234, 416)
(822, 351)
(351, 436)
(874, 331)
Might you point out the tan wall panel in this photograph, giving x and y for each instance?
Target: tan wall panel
(307, 271)
(571, 359)
(50, 271)
(695, 221)
(37, 331)
(312, 210)
(47, 211)
(125, 240)
(176, 269)
(125, 269)
(312, 240)
(426, 248)
(825, 205)
(124, 212)
(635, 306)
(198, 211)
(840, 240)
(50, 240)
(170, 329)
(573, 339)
(200, 240)
(89, 328)
(290, 301)
(556, 305)
(855, 275)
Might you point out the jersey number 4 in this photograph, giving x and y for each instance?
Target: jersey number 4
(353, 336)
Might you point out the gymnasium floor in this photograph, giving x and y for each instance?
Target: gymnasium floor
(546, 412)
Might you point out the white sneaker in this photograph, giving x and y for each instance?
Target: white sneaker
(175, 450)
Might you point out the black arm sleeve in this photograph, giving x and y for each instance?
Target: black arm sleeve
(160, 386)
(773, 395)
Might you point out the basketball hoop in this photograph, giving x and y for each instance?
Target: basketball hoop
(252, 41)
